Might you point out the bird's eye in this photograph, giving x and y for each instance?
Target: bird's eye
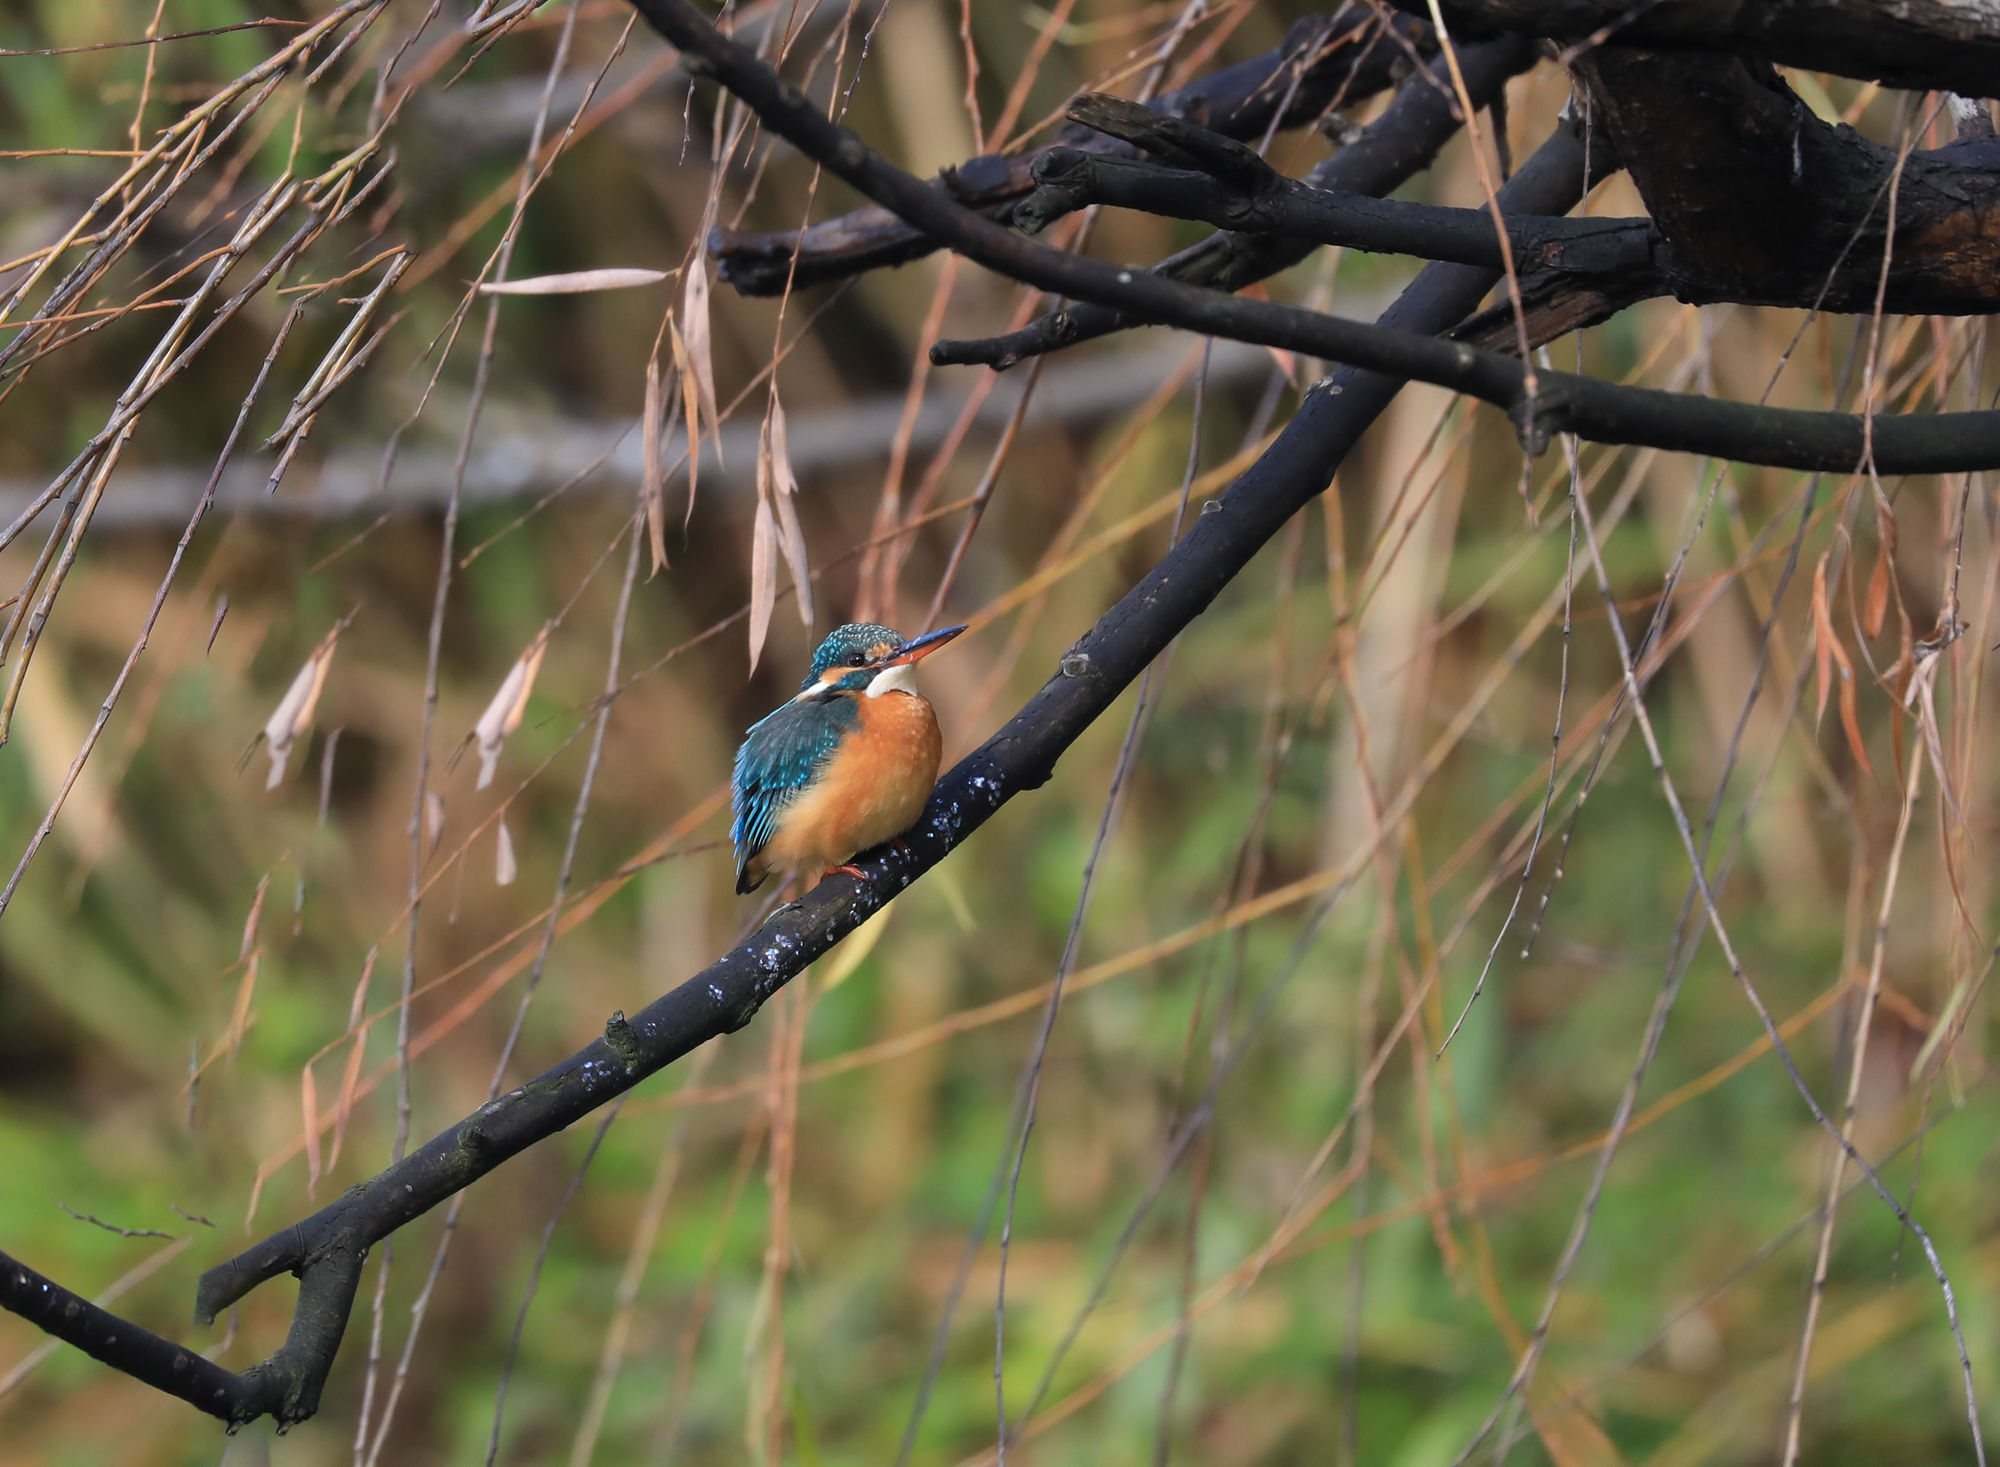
(857, 659)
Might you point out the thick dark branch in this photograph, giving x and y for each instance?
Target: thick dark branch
(1325, 61)
(1942, 45)
(1539, 403)
(1761, 203)
(327, 1247)
(1403, 140)
(1768, 206)
(122, 1345)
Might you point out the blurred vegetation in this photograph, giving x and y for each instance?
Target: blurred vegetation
(1366, 715)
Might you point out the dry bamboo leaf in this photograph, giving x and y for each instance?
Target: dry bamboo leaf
(690, 410)
(653, 487)
(1850, 718)
(239, 1018)
(433, 822)
(763, 574)
(791, 538)
(309, 1104)
(350, 1079)
(505, 869)
(252, 919)
(510, 702)
(1878, 594)
(1829, 653)
(247, 953)
(1824, 640)
(575, 282)
(293, 715)
(694, 312)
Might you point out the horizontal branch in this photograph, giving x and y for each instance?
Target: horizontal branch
(124, 1346)
(1069, 180)
(285, 1387)
(1325, 61)
(1539, 403)
(1922, 45)
(525, 453)
(1573, 272)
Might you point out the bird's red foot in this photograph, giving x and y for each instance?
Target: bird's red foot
(849, 870)
(902, 846)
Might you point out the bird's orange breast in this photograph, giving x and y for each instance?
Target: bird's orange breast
(872, 788)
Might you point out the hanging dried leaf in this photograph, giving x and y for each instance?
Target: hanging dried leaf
(252, 919)
(690, 411)
(351, 1080)
(510, 702)
(791, 538)
(504, 867)
(1829, 653)
(694, 311)
(1850, 718)
(1878, 595)
(309, 1104)
(433, 822)
(763, 574)
(576, 282)
(653, 486)
(246, 993)
(294, 713)
(1824, 641)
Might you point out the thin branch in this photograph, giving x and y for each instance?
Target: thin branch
(1322, 58)
(1418, 121)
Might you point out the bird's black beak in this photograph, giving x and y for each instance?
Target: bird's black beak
(920, 647)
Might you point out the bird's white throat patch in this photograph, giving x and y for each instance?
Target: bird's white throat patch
(899, 679)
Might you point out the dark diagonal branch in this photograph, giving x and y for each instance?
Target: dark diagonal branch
(1944, 45)
(1603, 412)
(325, 1249)
(1326, 60)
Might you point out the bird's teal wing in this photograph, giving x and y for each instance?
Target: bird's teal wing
(781, 756)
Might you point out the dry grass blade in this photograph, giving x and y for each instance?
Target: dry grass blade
(1828, 654)
(653, 473)
(505, 868)
(574, 282)
(784, 495)
(434, 817)
(763, 564)
(508, 705)
(292, 719)
(690, 412)
(309, 1112)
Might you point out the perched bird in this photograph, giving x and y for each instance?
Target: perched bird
(845, 765)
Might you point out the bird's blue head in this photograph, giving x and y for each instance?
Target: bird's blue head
(859, 657)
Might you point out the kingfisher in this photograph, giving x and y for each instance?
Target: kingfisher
(845, 765)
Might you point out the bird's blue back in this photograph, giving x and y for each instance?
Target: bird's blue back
(780, 757)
